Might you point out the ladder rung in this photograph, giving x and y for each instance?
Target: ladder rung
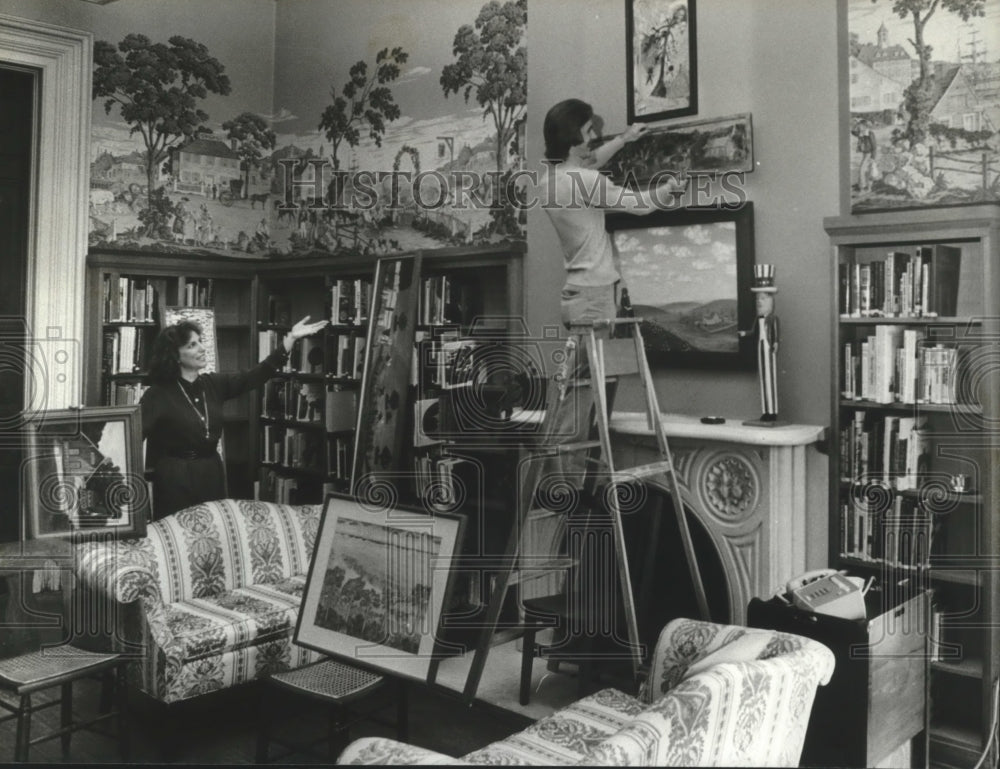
(566, 448)
(642, 471)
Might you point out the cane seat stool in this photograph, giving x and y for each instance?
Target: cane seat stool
(24, 676)
(353, 694)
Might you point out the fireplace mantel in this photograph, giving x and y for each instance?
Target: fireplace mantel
(744, 484)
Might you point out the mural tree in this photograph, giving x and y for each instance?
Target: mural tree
(918, 96)
(365, 100)
(157, 87)
(492, 63)
(252, 136)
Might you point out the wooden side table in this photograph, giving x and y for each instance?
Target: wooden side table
(24, 675)
(340, 685)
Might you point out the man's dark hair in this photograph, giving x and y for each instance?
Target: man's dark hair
(562, 127)
(164, 360)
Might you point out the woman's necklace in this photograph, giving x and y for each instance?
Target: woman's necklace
(203, 418)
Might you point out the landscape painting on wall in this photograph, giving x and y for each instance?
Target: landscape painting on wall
(924, 103)
(688, 275)
(200, 159)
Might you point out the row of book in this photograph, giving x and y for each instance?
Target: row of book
(197, 292)
(123, 350)
(293, 448)
(348, 355)
(436, 479)
(891, 450)
(443, 360)
(898, 365)
(902, 285)
(349, 301)
(273, 486)
(123, 393)
(442, 301)
(129, 300)
(292, 400)
(900, 536)
(334, 407)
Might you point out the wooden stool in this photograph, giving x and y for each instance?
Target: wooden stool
(58, 666)
(338, 684)
(549, 612)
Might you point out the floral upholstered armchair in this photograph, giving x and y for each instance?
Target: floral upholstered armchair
(717, 695)
(210, 595)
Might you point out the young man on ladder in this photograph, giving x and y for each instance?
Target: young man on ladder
(576, 196)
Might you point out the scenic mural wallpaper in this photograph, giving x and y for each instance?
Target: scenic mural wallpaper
(925, 103)
(204, 161)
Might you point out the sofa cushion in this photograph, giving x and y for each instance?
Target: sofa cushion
(235, 619)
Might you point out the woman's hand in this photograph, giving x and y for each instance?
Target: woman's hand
(301, 329)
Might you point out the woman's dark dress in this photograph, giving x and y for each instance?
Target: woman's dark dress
(187, 468)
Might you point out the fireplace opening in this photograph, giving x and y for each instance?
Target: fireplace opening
(661, 579)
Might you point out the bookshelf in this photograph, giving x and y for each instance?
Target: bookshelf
(915, 442)
(317, 399)
(128, 293)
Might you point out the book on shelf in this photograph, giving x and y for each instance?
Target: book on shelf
(272, 486)
(923, 283)
(123, 393)
(268, 341)
(338, 453)
(341, 409)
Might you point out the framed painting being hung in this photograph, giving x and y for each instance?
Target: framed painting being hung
(699, 147)
(661, 66)
(924, 108)
(688, 274)
(377, 583)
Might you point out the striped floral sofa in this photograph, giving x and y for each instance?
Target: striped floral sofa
(210, 594)
(717, 695)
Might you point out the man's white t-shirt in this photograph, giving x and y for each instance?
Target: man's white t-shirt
(574, 199)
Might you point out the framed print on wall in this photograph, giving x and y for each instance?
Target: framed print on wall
(82, 473)
(661, 69)
(379, 578)
(922, 104)
(688, 274)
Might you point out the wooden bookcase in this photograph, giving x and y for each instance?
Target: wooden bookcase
(915, 403)
(155, 282)
(458, 288)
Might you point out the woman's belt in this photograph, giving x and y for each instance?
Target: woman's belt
(193, 453)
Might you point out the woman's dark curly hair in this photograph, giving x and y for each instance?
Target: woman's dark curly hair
(164, 360)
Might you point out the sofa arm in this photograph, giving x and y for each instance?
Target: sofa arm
(122, 571)
(688, 646)
(383, 751)
(732, 714)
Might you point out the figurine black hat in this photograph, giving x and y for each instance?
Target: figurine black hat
(763, 279)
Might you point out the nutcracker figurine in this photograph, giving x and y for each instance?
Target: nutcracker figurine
(766, 329)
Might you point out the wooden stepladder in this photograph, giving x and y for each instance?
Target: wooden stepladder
(607, 359)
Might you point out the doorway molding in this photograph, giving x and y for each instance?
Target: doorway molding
(57, 238)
